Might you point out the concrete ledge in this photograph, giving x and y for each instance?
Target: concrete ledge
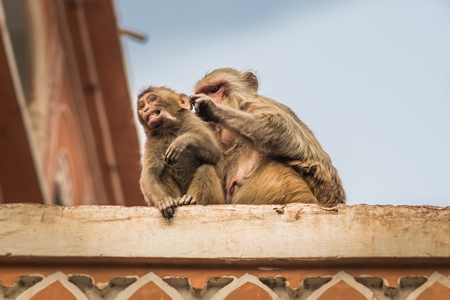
(292, 232)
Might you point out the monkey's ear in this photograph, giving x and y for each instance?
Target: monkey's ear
(252, 80)
(184, 101)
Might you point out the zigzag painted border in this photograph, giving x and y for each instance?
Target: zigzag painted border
(342, 276)
(150, 277)
(225, 291)
(237, 283)
(57, 276)
(434, 278)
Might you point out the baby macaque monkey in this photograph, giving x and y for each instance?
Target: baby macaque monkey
(179, 163)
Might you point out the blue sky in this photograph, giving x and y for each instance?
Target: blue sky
(370, 78)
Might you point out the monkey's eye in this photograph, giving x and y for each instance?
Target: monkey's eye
(151, 98)
(214, 89)
(141, 105)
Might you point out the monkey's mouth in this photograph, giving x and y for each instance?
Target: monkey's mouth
(153, 114)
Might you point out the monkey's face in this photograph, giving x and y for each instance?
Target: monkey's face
(215, 89)
(155, 111)
(221, 83)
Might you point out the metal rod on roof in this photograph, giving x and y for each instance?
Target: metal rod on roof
(136, 35)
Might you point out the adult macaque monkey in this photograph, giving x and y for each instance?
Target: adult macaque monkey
(180, 154)
(271, 157)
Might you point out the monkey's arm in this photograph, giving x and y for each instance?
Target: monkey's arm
(155, 193)
(201, 145)
(151, 186)
(272, 132)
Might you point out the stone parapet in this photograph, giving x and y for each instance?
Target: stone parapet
(225, 252)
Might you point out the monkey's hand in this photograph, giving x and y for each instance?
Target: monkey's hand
(186, 200)
(178, 147)
(167, 207)
(205, 107)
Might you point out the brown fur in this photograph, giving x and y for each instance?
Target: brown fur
(264, 144)
(274, 183)
(180, 155)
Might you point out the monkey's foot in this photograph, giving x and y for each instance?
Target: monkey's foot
(186, 200)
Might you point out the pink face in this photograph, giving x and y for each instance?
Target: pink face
(153, 112)
(214, 89)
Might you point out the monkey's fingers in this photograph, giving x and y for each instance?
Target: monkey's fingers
(193, 98)
(169, 156)
(168, 212)
(173, 153)
(167, 207)
(186, 200)
(182, 200)
(160, 206)
(202, 104)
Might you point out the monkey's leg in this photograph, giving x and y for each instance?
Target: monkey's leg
(274, 183)
(206, 186)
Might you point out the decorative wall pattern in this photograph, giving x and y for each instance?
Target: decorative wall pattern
(150, 286)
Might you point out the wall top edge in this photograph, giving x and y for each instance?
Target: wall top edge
(294, 232)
